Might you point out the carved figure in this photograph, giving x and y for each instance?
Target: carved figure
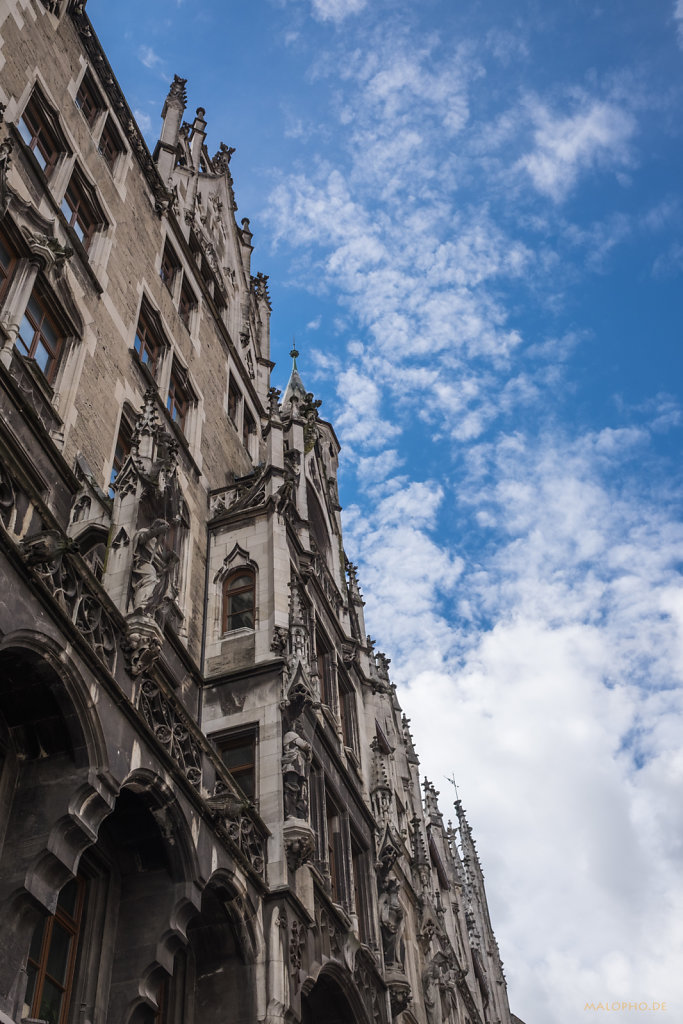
(153, 564)
(432, 993)
(391, 919)
(296, 762)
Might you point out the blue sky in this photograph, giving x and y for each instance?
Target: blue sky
(471, 217)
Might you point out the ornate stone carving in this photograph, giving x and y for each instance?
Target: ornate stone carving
(49, 554)
(47, 250)
(81, 508)
(285, 496)
(309, 411)
(154, 519)
(234, 820)
(259, 286)
(279, 642)
(121, 540)
(221, 160)
(141, 644)
(424, 936)
(171, 730)
(297, 944)
(299, 840)
(326, 580)
(247, 492)
(365, 977)
(6, 147)
(440, 978)
(177, 91)
(273, 400)
(299, 688)
(389, 852)
(399, 995)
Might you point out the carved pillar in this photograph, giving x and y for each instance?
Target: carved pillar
(172, 114)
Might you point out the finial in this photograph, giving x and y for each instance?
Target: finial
(293, 352)
(451, 779)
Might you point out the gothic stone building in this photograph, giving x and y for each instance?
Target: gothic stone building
(210, 808)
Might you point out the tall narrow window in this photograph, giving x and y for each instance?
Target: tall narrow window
(122, 450)
(332, 822)
(238, 600)
(361, 891)
(324, 663)
(338, 853)
(6, 264)
(347, 713)
(110, 145)
(234, 401)
(81, 213)
(187, 305)
(52, 957)
(238, 752)
(88, 100)
(169, 267)
(39, 135)
(147, 343)
(38, 337)
(178, 400)
(248, 429)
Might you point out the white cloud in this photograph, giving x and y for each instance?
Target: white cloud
(557, 702)
(678, 18)
(596, 136)
(144, 121)
(670, 262)
(336, 10)
(148, 57)
(545, 669)
(372, 470)
(360, 419)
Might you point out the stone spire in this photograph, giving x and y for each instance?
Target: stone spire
(431, 803)
(408, 740)
(295, 386)
(470, 856)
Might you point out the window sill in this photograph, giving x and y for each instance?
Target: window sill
(235, 633)
(352, 758)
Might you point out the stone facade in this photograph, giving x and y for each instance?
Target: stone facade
(210, 807)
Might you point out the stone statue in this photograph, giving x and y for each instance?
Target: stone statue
(296, 761)
(432, 992)
(391, 919)
(152, 569)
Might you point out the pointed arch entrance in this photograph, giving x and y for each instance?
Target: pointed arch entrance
(333, 999)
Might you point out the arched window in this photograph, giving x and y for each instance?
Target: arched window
(238, 600)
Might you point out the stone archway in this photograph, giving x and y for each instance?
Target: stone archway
(220, 960)
(51, 757)
(330, 1002)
